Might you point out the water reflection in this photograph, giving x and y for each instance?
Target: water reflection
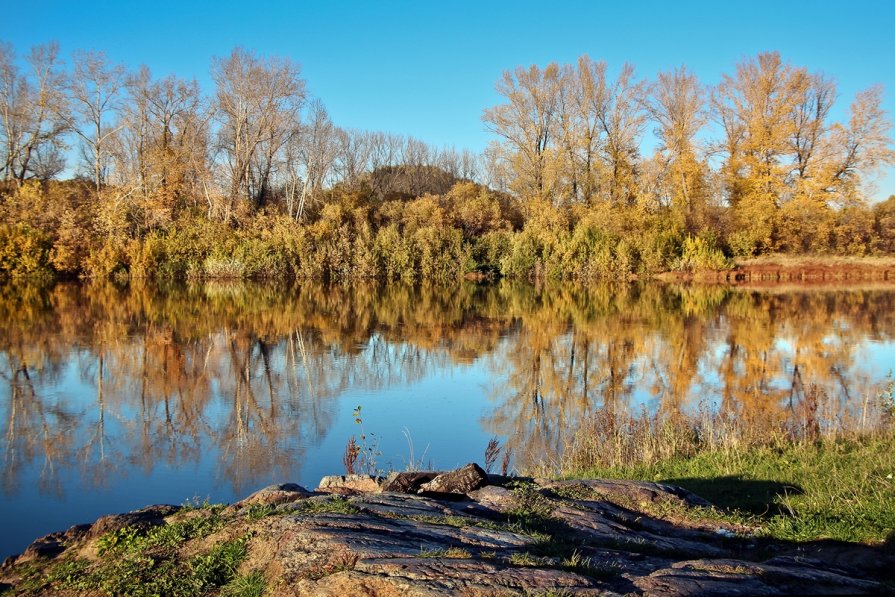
(245, 379)
(666, 350)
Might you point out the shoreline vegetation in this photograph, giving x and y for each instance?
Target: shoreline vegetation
(470, 232)
(447, 532)
(254, 180)
(814, 472)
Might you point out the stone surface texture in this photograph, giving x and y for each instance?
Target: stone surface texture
(589, 537)
(463, 480)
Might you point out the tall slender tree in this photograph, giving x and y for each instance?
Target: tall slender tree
(96, 90)
(676, 106)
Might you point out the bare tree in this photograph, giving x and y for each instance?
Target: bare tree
(462, 165)
(258, 106)
(353, 155)
(312, 157)
(386, 152)
(416, 158)
(34, 113)
(95, 93)
(865, 145)
(47, 161)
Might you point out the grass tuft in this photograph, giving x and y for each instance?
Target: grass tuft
(252, 584)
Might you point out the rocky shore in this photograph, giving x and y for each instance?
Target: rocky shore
(461, 532)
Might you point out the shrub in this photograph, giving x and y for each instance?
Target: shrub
(700, 254)
(24, 251)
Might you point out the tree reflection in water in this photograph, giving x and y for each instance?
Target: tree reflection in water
(250, 375)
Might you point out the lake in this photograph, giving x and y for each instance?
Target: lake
(115, 398)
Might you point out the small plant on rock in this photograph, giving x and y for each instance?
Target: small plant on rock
(492, 451)
(368, 448)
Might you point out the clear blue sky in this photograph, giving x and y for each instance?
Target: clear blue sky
(428, 69)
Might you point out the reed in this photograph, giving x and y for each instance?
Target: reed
(816, 472)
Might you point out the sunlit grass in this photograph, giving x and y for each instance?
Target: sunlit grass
(802, 478)
(800, 491)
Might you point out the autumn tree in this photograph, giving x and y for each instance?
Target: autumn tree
(528, 124)
(676, 106)
(583, 102)
(754, 108)
(622, 125)
(808, 141)
(164, 141)
(570, 134)
(785, 165)
(33, 114)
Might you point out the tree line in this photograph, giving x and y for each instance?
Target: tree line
(259, 138)
(254, 178)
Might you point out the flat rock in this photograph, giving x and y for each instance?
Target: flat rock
(627, 491)
(736, 577)
(273, 495)
(351, 483)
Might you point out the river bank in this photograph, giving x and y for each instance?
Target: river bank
(463, 532)
(774, 270)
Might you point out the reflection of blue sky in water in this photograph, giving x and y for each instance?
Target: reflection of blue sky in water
(878, 358)
(237, 410)
(440, 411)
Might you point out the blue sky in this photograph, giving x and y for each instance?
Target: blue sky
(428, 69)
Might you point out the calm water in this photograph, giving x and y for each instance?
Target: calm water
(114, 399)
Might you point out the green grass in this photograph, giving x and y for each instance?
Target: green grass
(328, 505)
(258, 511)
(247, 585)
(147, 562)
(805, 491)
(136, 572)
(166, 536)
(451, 552)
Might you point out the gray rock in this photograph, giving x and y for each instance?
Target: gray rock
(273, 495)
(568, 537)
(49, 546)
(139, 519)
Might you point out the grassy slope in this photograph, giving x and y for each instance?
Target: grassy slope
(838, 490)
